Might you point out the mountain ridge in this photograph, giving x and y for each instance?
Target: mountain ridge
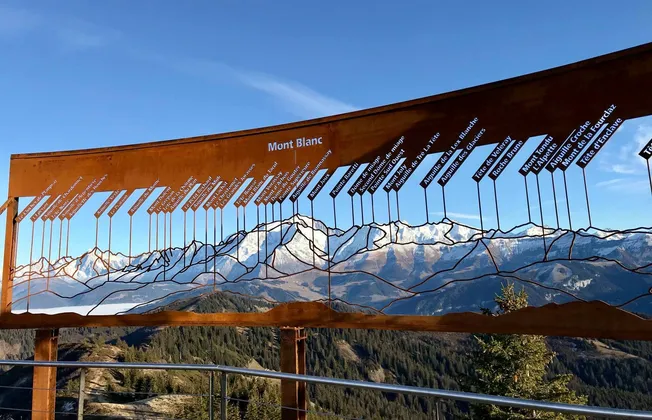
(394, 268)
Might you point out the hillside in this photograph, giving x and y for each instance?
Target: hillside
(611, 373)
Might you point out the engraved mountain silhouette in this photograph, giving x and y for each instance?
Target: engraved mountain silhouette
(430, 269)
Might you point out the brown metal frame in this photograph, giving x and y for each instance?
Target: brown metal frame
(551, 101)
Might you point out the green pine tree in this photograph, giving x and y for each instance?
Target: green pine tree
(516, 366)
(254, 408)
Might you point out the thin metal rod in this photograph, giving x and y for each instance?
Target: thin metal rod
(352, 212)
(334, 213)
(43, 241)
(50, 248)
(266, 241)
(373, 211)
(527, 199)
(443, 197)
(314, 247)
(425, 199)
(97, 229)
(68, 237)
(543, 229)
(398, 389)
(157, 231)
(649, 174)
(328, 259)
(398, 209)
(237, 234)
(60, 238)
(258, 231)
(214, 248)
(108, 269)
(223, 396)
(362, 209)
(570, 222)
(586, 194)
(206, 241)
(389, 217)
(496, 201)
(480, 207)
(554, 198)
(149, 234)
(131, 228)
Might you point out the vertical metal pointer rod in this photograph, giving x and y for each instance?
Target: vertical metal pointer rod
(570, 222)
(554, 198)
(425, 198)
(480, 207)
(586, 194)
(443, 196)
(527, 199)
(496, 202)
(543, 228)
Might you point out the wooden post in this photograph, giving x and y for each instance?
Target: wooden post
(9, 261)
(293, 360)
(45, 378)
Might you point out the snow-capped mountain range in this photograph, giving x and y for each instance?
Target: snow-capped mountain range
(400, 269)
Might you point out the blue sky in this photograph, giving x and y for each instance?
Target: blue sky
(80, 74)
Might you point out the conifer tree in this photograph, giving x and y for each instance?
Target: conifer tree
(516, 366)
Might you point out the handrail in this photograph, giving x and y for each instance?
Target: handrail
(399, 389)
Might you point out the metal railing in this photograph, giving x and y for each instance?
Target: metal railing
(437, 394)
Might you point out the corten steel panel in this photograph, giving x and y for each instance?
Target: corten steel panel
(544, 102)
(551, 102)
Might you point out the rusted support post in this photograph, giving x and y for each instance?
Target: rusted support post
(293, 360)
(45, 378)
(9, 261)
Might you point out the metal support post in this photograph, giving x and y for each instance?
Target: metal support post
(80, 399)
(223, 393)
(210, 395)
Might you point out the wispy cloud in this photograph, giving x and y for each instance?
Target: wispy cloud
(609, 182)
(625, 185)
(626, 160)
(299, 99)
(71, 34)
(68, 33)
(295, 97)
(464, 216)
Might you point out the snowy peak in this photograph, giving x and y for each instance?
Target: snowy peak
(393, 266)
